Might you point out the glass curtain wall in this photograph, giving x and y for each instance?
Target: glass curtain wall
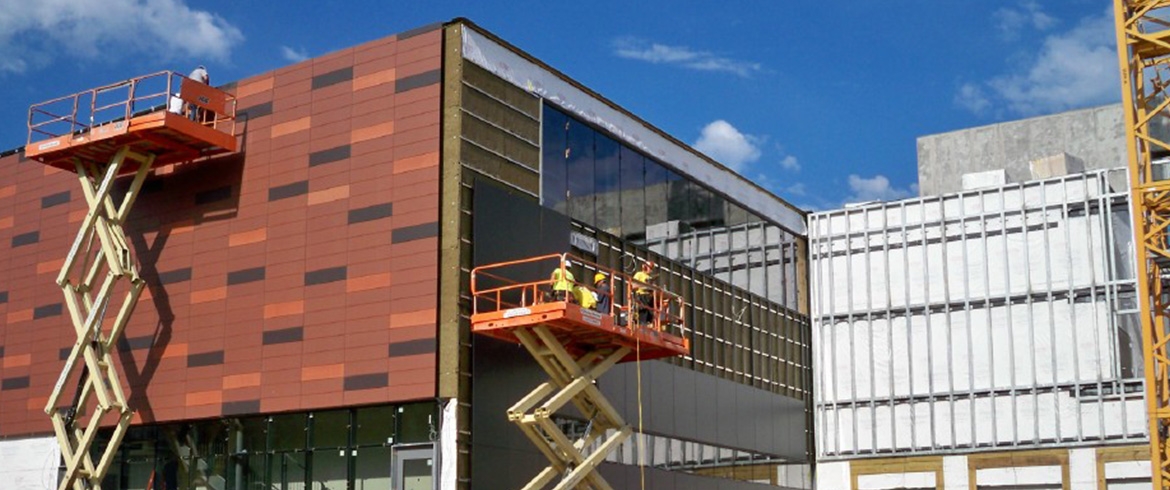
(603, 183)
(327, 450)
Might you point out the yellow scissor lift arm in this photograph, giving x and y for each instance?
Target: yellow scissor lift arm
(102, 141)
(575, 346)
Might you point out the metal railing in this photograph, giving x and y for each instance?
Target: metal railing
(537, 280)
(122, 101)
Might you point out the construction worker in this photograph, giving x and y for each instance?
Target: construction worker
(176, 105)
(199, 74)
(602, 291)
(562, 282)
(644, 294)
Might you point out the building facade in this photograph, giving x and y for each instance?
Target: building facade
(979, 339)
(306, 322)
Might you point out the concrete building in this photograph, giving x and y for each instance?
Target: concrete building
(1091, 139)
(306, 319)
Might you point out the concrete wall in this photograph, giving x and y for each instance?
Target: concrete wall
(1095, 135)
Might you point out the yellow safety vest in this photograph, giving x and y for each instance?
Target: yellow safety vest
(643, 278)
(560, 283)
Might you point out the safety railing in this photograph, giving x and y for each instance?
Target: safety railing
(538, 280)
(122, 101)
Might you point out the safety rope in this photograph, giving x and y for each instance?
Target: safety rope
(641, 448)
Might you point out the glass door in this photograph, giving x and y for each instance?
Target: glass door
(414, 469)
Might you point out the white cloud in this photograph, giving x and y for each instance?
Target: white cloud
(972, 98)
(797, 189)
(790, 163)
(293, 55)
(642, 50)
(876, 188)
(32, 32)
(1010, 21)
(721, 141)
(1075, 68)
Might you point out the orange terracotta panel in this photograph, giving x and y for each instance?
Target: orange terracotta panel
(330, 371)
(329, 195)
(246, 237)
(77, 215)
(370, 132)
(373, 79)
(7, 191)
(284, 309)
(50, 266)
(290, 127)
(241, 381)
(17, 361)
(413, 318)
(368, 282)
(181, 227)
(213, 397)
(205, 295)
(6, 222)
(175, 350)
(416, 162)
(37, 403)
(20, 316)
(253, 88)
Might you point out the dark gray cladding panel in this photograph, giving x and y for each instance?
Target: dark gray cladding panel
(506, 223)
(686, 404)
(505, 372)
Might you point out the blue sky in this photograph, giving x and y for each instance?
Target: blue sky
(821, 105)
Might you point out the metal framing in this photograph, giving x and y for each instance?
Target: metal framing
(100, 245)
(1143, 48)
(985, 320)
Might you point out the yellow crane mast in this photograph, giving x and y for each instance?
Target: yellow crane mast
(1143, 48)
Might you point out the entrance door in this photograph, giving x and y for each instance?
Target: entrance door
(414, 469)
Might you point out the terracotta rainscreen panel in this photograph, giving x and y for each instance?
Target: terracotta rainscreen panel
(248, 258)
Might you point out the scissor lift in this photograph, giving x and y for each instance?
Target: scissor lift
(122, 129)
(516, 302)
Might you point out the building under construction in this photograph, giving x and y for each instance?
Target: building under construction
(433, 261)
(293, 306)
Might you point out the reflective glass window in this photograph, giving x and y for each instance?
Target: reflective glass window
(288, 432)
(375, 425)
(416, 422)
(717, 210)
(607, 184)
(633, 193)
(736, 215)
(553, 184)
(679, 197)
(579, 166)
(656, 193)
(331, 429)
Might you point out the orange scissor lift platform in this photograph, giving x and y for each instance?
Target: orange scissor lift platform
(521, 302)
(101, 134)
(95, 124)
